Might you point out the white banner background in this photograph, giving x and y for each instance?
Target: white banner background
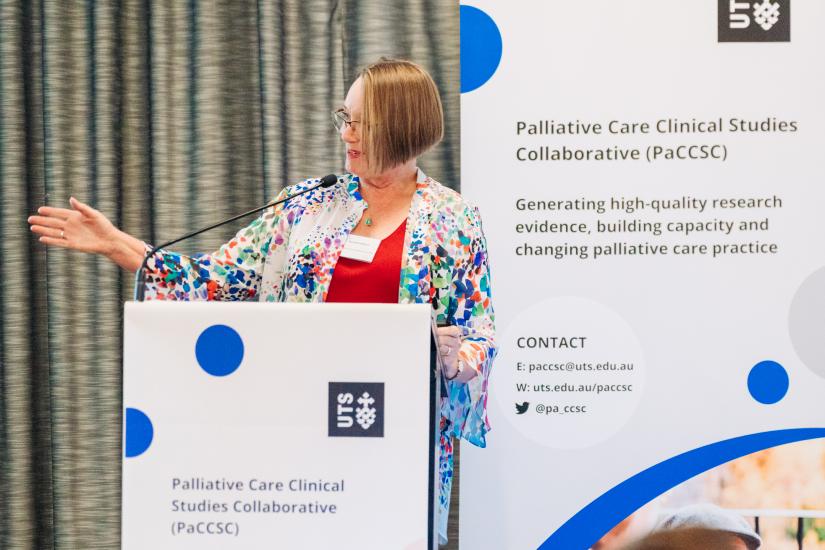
(693, 325)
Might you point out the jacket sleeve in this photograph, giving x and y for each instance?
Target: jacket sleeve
(471, 309)
(231, 273)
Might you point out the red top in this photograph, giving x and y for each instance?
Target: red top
(371, 282)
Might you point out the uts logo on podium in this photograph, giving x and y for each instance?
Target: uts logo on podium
(356, 409)
(756, 21)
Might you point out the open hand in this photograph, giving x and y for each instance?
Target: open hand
(80, 228)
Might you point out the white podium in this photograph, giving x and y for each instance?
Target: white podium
(251, 425)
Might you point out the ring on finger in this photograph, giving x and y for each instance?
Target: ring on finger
(62, 234)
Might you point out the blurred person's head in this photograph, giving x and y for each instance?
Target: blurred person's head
(689, 538)
(633, 527)
(711, 517)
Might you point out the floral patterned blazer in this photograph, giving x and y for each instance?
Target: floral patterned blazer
(289, 255)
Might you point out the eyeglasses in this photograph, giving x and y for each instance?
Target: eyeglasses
(340, 118)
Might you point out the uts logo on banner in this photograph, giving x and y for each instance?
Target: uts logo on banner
(356, 409)
(756, 21)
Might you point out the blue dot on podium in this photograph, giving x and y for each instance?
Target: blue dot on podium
(768, 382)
(481, 47)
(139, 432)
(219, 350)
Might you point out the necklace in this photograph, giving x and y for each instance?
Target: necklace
(368, 221)
(367, 218)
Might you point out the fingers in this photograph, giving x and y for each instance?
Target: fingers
(451, 330)
(78, 228)
(51, 211)
(83, 208)
(449, 336)
(48, 232)
(66, 213)
(46, 221)
(51, 241)
(448, 344)
(450, 341)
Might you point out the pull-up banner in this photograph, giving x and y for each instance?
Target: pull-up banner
(651, 179)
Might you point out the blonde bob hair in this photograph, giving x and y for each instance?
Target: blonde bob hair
(402, 115)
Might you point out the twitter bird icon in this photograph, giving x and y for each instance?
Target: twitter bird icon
(521, 409)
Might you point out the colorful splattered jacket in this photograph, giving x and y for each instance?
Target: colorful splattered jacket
(289, 255)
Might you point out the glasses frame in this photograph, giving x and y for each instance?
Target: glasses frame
(340, 119)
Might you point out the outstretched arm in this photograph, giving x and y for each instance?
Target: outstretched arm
(85, 229)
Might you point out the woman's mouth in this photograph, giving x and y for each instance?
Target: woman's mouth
(353, 154)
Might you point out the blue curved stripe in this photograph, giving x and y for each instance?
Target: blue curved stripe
(597, 518)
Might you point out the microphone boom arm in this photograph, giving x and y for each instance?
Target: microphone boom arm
(140, 277)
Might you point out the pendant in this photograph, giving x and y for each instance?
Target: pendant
(368, 222)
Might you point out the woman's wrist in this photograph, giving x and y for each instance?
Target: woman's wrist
(125, 250)
(463, 373)
(459, 365)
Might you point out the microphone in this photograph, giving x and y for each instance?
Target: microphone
(140, 280)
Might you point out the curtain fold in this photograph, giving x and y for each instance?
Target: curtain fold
(165, 116)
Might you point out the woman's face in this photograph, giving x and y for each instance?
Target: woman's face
(356, 162)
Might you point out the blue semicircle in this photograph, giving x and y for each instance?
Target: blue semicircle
(594, 520)
(481, 47)
(138, 432)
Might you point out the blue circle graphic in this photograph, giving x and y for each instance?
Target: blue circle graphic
(768, 382)
(219, 350)
(480, 48)
(139, 432)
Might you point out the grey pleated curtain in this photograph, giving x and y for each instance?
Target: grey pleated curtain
(164, 115)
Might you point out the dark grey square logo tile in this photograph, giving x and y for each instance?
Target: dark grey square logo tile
(356, 409)
(754, 21)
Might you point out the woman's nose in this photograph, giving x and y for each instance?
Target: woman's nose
(348, 134)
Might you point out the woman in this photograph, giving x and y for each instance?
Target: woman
(430, 247)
